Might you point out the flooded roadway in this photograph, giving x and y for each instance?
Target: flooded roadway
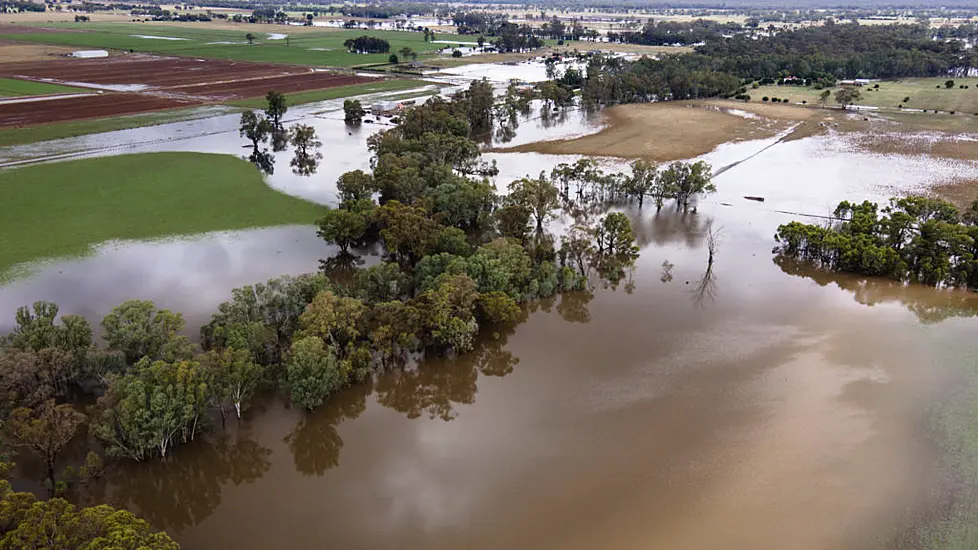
(755, 405)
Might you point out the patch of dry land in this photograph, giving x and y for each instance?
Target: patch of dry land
(679, 130)
(51, 16)
(17, 51)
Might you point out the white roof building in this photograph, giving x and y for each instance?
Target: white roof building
(89, 54)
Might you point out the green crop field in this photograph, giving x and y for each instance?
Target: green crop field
(335, 93)
(924, 93)
(304, 47)
(11, 87)
(62, 209)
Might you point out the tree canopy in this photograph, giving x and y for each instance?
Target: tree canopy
(914, 238)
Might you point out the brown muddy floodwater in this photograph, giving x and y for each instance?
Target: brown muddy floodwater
(755, 405)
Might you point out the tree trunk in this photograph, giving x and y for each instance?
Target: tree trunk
(50, 463)
(237, 409)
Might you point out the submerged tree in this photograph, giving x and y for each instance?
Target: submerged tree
(616, 249)
(262, 317)
(342, 227)
(916, 239)
(645, 182)
(257, 129)
(276, 109)
(234, 376)
(355, 188)
(254, 127)
(307, 155)
(45, 431)
(154, 406)
(313, 372)
(274, 112)
(32, 523)
(137, 329)
(683, 181)
(353, 111)
(537, 195)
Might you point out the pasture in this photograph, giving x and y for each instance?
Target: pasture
(302, 46)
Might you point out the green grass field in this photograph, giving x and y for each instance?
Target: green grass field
(923, 94)
(335, 93)
(307, 47)
(62, 209)
(11, 87)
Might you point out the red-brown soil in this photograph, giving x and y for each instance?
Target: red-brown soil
(150, 70)
(257, 87)
(169, 82)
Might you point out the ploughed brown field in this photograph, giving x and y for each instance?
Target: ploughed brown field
(166, 82)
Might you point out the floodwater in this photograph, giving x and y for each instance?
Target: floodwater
(757, 404)
(762, 401)
(220, 261)
(527, 71)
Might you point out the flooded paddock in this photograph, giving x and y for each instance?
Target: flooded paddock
(754, 404)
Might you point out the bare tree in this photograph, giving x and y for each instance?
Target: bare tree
(712, 241)
(706, 288)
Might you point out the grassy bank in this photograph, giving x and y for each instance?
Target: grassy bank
(335, 93)
(11, 87)
(316, 47)
(63, 209)
(924, 93)
(59, 130)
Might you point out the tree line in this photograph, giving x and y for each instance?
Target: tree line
(676, 33)
(912, 239)
(723, 66)
(841, 50)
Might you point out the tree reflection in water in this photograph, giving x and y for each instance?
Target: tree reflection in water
(668, 226)
(436, 386)
(180, 492)
(315, 443)
(572, 306)
(706, 288)
(183, 490)
(928, 304)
